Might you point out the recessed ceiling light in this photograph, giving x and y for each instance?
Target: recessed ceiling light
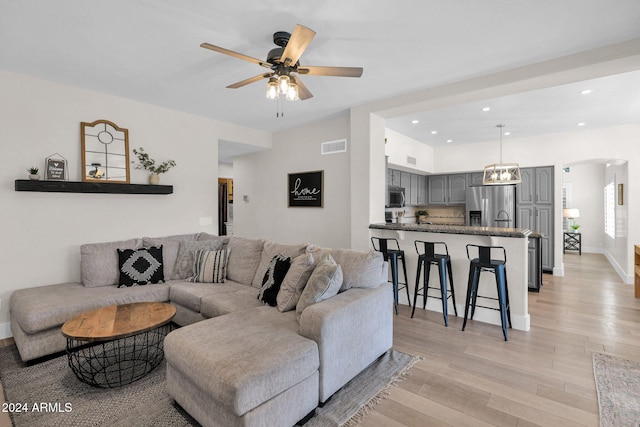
(507, 133)
(581, 124)
(433, 132)
(415, 121)
(449, 141)
(585, 92)
(486, 109)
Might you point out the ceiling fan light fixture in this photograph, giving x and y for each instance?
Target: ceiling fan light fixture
(283, 83)
(272, 88)
(501, 173)
(292, 92)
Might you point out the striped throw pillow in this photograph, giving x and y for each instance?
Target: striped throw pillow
(210, 266)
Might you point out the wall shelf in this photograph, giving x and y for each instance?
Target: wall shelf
(90, 187)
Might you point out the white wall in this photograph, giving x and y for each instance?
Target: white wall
(42, 232)
(399, 146)
(619, 250)
(262, 178)
(225, 170)
(586, 183)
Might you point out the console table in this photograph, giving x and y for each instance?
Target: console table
(572, 242)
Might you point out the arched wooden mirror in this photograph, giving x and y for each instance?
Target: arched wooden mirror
(105, 152)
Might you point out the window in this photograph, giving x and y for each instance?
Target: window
(610, 210)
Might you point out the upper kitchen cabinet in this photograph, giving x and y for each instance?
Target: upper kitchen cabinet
(393, 177)
(447, 189)
(475, 178)
(536, 186)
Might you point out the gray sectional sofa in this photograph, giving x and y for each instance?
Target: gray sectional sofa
(235, 360)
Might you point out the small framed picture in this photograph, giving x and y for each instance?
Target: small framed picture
(305, 189)
(56, 168)
(621, 194)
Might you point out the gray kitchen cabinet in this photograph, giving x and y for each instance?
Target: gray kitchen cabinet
(413, 193)
(394, 177)
(437, 189)
(405, 182)
(447, 189)
(535, 266)
(422, 190)
(475, 178)
(534, 208)
(457, 189)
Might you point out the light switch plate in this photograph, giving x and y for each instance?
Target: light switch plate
(206, 220)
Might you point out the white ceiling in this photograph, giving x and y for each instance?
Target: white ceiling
(149, 51)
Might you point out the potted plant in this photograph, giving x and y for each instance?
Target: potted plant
(422, 216)
(575, 227)
(33, 173)
(149, 164)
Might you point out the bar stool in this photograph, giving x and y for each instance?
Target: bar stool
(393, 255)
(484, 262)
(427, 256)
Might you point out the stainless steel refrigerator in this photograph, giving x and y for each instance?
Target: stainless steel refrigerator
(491, 206)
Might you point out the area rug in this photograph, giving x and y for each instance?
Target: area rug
(48, 394)
(618, 386)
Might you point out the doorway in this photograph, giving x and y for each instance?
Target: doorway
(225, 206)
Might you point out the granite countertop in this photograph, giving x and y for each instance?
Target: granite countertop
(455, 229)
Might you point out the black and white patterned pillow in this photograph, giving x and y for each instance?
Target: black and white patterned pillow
(140, 266)
(278, 268)
(210, 266)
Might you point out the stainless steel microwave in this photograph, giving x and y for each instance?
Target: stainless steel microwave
(396, 197)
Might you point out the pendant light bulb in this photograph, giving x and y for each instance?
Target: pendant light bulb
(272, 88)
(283, 83)
(292, 92)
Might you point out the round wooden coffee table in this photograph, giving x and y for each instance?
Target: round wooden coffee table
(119, 344)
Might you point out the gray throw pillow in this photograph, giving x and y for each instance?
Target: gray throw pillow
(293, 284)
(210, 266)
(324, 283)
(185, 261)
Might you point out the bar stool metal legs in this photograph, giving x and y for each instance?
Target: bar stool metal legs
(496, 266)
(393, 255)
(427, 256)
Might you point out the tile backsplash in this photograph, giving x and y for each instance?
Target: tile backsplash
(450, 215)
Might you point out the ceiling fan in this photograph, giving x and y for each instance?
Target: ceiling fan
(283, 64)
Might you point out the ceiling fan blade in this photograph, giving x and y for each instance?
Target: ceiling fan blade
(300, 39)
(331, 71)
(249, 81)
(303, 92)
(236, 54)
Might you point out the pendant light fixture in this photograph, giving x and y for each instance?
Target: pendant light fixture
(501, 173)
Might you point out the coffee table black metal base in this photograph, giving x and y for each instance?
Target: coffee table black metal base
(117, 362)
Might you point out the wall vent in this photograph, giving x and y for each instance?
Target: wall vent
(412, 160)
(333, 147)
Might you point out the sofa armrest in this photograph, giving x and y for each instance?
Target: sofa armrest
(351, 330)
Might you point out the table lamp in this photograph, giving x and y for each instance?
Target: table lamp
(572, 214)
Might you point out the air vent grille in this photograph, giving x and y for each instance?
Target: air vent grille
(333, 147)
(412, 160)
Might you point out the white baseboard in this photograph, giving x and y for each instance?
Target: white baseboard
(558, 271)
(5, 330)
(626, 278)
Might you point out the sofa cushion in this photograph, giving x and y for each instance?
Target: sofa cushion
(210, 266)
(359, 269)
(238, 298)
(99, 262)
(185, 261)
(45, 307)
(140, 266)
(270, 250)
(273, 278)
(274, 356)
(170, 245)
(244, 259)
(294, 282)
(207, 236)
(323, 284)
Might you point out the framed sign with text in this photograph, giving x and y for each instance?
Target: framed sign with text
(305, 189)
(56, 168)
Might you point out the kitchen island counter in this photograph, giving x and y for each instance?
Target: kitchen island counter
(457, 237)
(455, 229)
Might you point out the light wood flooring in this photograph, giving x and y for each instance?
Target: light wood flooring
(543, 377)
